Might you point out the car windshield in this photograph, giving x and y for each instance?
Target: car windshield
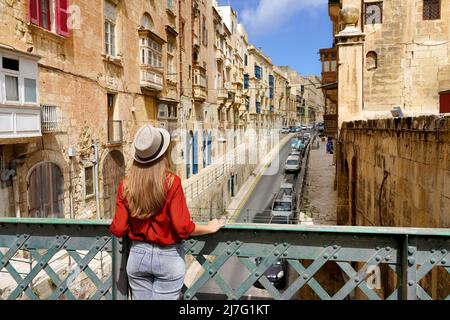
(292, 162)
(281, 206)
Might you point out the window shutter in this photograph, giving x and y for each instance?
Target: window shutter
(62, 17)
(33, 11)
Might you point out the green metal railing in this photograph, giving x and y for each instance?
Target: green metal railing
(73, 259)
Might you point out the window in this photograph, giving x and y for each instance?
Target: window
(170, 5)
(163, 111)
(373, 12)
(12, 88)
(173, 112)
(10, 64)
(371, 60)
(204, 32)
(171, 69)
(146, 22)
(258, 72)
(88, 181)
(245, 60)
(247, 104)
(258, 107)
(182, 39)
(246, 81)
(41, 13)
(30, 90)
(110, 28)
(431, 9)
(151, 53)
(18, 81)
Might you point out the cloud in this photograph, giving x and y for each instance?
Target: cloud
(270, 16)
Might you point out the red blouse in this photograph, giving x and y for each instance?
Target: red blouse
(169, 227)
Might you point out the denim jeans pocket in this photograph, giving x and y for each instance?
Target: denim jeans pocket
(134, 261)
(171, 264)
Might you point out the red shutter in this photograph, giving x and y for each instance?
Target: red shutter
(62, 17)
(444, 102)
(33, 11)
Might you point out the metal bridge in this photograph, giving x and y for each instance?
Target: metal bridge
(412, 256)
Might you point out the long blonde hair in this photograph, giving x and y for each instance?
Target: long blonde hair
(146, 186)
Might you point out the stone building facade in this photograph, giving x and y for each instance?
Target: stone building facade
(82, 76)
(386, 55)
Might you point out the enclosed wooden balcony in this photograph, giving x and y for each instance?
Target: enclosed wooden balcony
(329, 60)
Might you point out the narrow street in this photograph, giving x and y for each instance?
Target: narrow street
(255, 210)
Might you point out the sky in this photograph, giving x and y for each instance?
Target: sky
(290, 32)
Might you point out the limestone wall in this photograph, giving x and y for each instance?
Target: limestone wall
(395, 172)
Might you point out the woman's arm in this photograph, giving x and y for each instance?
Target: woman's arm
(181, 218)
(212, 227)
(119, 226)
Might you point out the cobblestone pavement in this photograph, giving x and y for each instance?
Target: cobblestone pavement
(320, 197)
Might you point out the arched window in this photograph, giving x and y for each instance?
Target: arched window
(45, 190)
(371, 60)
(147, 22)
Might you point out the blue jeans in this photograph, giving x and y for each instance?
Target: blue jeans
(155, 272)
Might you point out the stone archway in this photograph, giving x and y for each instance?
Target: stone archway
(113, 173)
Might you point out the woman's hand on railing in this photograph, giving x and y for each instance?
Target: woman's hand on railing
(212, 227)
(215, 225)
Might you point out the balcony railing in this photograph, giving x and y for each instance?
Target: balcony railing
(115, 135)
(51, 119)
(73, 259)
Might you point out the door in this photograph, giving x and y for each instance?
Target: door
(204, 150)
(113, 174)
(188, 154)
(195, 154)
(45, 191)
(209, 148)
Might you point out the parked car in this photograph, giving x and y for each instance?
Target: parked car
(292, 164)
(295, 152)
(307, 135)
(284, 205)
(288, 189)
(277, 273)
(284, 130)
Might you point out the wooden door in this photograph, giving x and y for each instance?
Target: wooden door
(113, 174)
(45, 190)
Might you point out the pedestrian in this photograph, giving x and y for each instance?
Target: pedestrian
(151, 211)
(329, 146)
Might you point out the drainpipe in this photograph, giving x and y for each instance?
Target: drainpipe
(95, 162)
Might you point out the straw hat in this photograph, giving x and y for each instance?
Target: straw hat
(150, 144)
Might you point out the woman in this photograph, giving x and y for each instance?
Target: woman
(151, 211)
